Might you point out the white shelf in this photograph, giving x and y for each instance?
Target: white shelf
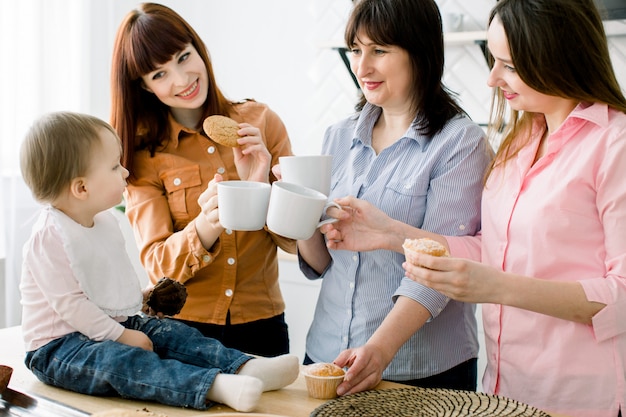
(461, 38)
(449, 38)
(613, 28)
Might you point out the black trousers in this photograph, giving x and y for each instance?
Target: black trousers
(267, 337)
(464, 376)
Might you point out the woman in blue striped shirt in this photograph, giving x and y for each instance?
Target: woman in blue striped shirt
(412, 152)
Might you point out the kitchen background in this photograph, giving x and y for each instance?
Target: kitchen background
(56, 56)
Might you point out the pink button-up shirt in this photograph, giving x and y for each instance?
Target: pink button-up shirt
(562, 219)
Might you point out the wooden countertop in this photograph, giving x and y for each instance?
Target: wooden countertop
(292, 401)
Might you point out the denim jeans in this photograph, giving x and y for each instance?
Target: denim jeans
(179, 372)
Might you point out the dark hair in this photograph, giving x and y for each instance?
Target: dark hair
(415, 26)
(558, 48)
(59, 147)
(148, 37)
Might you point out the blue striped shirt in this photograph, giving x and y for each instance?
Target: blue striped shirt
(431, 184)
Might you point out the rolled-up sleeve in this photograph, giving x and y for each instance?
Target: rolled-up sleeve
(432, 300)
(611, 207)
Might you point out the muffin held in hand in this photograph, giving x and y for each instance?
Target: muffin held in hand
(167, 297)
(322, 379)
(425, 245)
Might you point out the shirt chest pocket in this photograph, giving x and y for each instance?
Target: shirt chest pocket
(183, 186)
(405, 200)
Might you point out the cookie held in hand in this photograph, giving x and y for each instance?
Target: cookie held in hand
(222, 130)
(167, 297)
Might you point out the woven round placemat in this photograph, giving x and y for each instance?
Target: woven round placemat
(424, 402)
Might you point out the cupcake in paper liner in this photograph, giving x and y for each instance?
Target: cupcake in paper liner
(322, 380)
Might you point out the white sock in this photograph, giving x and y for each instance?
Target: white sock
(239, 392)
(275, 373)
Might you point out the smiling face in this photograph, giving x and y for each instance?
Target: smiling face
(383, 72)
(180, 83)
(504, 76)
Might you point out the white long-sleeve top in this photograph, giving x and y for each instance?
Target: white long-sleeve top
(76, 278)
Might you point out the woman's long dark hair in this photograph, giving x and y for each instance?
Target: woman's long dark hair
(148, 37)
(415, 26)
(558, 48)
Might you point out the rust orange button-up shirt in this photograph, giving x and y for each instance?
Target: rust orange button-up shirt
(239, 273)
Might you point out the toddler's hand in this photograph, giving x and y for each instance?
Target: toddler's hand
(167, 298)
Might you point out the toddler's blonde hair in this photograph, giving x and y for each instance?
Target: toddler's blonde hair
(58, 148)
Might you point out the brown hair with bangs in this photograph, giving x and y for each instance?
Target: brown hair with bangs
(150, 36)
(558, 48)
(415, 26)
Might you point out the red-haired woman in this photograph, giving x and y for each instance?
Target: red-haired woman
(163, 87)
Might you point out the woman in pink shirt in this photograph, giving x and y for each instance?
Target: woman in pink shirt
(550, 262)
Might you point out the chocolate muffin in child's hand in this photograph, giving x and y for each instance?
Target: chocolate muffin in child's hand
(167, 297)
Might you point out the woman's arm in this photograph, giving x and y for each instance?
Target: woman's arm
(474, 282)
(364, 227)
(314, 252)
(368, 362)
(164, 251)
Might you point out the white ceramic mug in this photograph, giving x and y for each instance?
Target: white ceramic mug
(311, 171)
(242, 205)
(295, 211)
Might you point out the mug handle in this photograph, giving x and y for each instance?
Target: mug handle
(332, 219)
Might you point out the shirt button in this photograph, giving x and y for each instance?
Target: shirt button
(462, 227)
(345, 339)
(221, 170)
(407, 186)
(177, 181)
(229, 232)
(206, 258)
(211, 149)
(352, 285)
(231, 261)
(228, 292)
(355, 258)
